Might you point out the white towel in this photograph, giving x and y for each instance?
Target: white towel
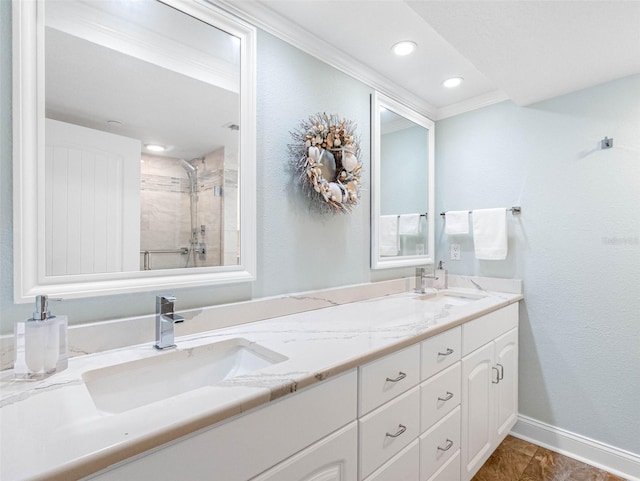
(409, 224)
(456, 222)
(490, 233)
(388, 235)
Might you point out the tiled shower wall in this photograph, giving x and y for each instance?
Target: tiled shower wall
(165, 210)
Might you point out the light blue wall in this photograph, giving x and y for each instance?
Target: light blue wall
(403, 171)
(576, 246)
(297, 249)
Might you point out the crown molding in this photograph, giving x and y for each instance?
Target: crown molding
(266, 19)
(263, 17)
(471, 104)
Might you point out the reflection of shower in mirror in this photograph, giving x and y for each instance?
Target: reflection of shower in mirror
(189, 168)
(183, 218)
(192, 172)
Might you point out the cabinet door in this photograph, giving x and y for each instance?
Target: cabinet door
(331, 459)
(478, 376)
(506, 392)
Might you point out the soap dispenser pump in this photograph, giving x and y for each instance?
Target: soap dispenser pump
(441, 277)
(40, 343)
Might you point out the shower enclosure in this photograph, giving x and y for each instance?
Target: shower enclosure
(196, 246)
(182, 212)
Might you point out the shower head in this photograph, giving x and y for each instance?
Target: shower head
(188, 167)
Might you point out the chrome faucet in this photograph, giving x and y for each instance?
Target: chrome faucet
(165, 319)
(421, 279)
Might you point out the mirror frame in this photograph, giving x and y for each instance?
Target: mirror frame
(378, 102)
(28, 171)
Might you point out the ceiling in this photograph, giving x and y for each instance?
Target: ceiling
(182, 94)
(522, 50)
(103, 89)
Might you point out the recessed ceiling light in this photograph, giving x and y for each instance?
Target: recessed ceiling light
(452, 82)
(155, 147)
(404, 48)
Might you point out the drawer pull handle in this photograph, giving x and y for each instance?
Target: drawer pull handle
(447, 397)
(501, 376)
(497, 375)
(400, 377)
(399, 432)
(447, 447)
(448, 352)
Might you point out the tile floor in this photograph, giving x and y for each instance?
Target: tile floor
(518, 460)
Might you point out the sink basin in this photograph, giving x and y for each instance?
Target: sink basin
(126, 386)
(450, 297)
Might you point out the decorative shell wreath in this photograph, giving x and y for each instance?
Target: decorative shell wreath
(325, 154)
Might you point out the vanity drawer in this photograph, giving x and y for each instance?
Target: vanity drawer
(480, 331)
(439, 395)
(387, 430)
(385, 378)
(439, 443)
(450, 471)
(404, 466)
(440, 352)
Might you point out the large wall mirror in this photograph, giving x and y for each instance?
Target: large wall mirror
(402, 194)
(134, 147)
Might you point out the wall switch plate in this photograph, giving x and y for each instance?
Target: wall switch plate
(454, 250)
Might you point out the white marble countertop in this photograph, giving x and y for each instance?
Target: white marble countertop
(51, 429)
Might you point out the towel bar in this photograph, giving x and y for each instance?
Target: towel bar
(421, 215)
(515, 210)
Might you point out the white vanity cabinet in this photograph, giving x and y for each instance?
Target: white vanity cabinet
(248, 445)
(432, 411)
(489, 385)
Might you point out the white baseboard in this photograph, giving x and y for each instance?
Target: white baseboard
(614, 460)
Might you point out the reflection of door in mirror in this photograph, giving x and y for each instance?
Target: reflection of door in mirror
(127, 73)
(403, 186)
(92, 192)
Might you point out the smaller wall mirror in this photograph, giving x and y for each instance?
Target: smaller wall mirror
(402, 194)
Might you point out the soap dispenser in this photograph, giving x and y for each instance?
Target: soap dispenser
(40, 343)
(441, 277)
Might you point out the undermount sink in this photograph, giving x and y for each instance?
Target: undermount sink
(122, 387)
(450, 297)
